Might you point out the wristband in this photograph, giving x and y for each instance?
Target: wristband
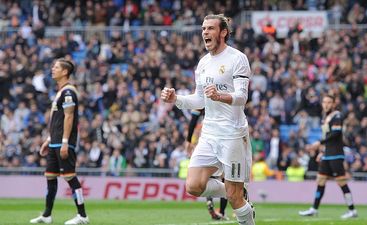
(65, 140)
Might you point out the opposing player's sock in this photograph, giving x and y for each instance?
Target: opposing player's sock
(78, 195)
(210, 203)
(223, 205)
(348, 196)
(318, 196)
(211, 210)
(215, 189)
(50, 197)
(244, 215)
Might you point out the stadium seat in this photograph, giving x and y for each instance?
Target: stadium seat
(285, 130)
(314, 134)
(122, 66)
(79, 56)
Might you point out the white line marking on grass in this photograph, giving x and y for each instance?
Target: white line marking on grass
(319, 219)
(303, 220)
(300, 221)
(208, 223)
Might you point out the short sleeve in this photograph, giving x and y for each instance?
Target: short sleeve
(336, 123)
(69, 98)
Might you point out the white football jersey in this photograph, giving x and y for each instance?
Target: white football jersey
(222, 120)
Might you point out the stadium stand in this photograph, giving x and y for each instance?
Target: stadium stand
(122, 64)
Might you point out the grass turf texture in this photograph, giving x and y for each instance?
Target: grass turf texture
(106, 212)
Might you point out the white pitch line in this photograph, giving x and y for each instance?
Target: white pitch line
(264, 220)
(209, 223)
(298, 221)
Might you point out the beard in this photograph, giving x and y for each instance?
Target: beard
(216, 44)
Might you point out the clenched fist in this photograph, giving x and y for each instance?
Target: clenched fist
(212, 93)
(168, 95)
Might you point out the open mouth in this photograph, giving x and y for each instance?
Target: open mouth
(207, 40)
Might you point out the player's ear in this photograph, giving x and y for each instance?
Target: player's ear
(64, 72)
(224, 33)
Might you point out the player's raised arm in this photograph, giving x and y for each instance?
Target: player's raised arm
(193, 101)
(241, 79)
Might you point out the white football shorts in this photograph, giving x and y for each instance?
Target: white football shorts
(231, 156)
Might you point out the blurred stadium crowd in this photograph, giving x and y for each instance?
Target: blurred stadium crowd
(123, 124)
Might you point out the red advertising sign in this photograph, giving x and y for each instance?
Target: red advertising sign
(314, 22)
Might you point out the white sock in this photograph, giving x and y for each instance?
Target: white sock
(348, 198)
(244, 215)
(79, 196)
(214, 188)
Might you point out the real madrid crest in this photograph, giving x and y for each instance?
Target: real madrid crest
(221, 69)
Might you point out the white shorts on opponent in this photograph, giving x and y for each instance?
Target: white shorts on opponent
(231, 156)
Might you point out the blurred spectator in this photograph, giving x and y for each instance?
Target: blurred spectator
(176, 157)
(260, 170)
(257, 144)
(311, 104)
(140, 155)
(10, 124)
(269, 30)
(35, 119)
(276, 107)
(116, 163)
(271, 47)
(296, 28)
(275, 144)
(95, 155)
(289, 102)
(285, 157)
(295, 172)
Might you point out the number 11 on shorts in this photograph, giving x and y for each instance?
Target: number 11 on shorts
(236, 170)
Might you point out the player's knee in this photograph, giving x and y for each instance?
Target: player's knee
(341, 181)
(68, 178)
(321, 180)
(50, 178)
(195, 189)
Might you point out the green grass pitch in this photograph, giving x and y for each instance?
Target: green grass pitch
(106, 212)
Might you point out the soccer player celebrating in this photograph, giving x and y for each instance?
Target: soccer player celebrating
(60, 145)
(332, 158)
(222, 79)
